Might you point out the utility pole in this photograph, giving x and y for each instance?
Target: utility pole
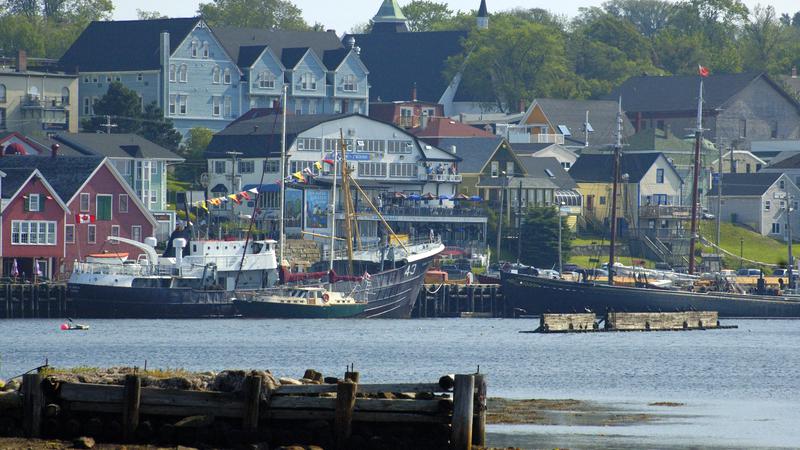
(108, 125)
(789, 200)
(233, 156)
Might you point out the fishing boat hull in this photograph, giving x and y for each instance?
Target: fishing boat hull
(277, 310)
(531, 295)
(98, 301)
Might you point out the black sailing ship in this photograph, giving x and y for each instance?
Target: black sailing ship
(534, 295)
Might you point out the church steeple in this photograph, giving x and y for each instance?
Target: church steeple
(483, 16)
(390, 18)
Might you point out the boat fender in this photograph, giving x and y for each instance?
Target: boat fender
(325, 297)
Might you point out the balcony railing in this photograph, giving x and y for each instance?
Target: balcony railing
(523, 137)
(665, 212)
(440, 177)
(392, 210)
(38, 102)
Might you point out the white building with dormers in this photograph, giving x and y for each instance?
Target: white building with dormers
(395, 169)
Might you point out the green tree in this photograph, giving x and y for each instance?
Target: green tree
(767, 41)
(648, 16)
(149, 15)
(124, 109)
(193, 148)
(271, 14)
(422, 15)
(540, 246)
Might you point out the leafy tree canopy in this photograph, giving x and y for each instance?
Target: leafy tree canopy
(272, 14)
(540, 246)
(423, 14)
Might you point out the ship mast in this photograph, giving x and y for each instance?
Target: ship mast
(333, 209)
(698, 138)
(283, 176)
(615, 182)
(347, 201)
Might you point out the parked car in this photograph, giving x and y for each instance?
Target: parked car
(570, 267)
(745, 272)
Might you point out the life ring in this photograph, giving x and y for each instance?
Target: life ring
(325, 297)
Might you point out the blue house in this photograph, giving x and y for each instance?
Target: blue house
(207, 78)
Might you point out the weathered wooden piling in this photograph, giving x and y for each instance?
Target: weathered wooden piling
(345, 404)
(41, 300)
(132, 396)
(33, 404)
(461, 427)
(479, 411)
(252, 396)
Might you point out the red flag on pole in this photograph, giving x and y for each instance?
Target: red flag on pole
(702, 71)
(84, 218)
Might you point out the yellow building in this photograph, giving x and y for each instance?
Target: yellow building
(34, 102)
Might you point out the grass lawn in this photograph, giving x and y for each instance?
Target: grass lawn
(756, 247)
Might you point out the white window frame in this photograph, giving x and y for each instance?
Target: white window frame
(216, 105)
(206, 51)
(91, 234)
(227, 106)
(33, 231)
(139, 77)
(123, 202)
(183, 101)
(308, 81)
(86, 106)
(136, 233)
(266, 80)
(349, 83)
(660, 176)
(494, 169)
(246, 166)
(216, 75)
(194, 48)
(114, 230)
(183, 73)
(85, 199)
(172, 70)
(172, 104)
(38, 198)
(222, 164)
(226, 76)
(69, 236)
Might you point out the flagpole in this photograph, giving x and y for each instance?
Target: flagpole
(333, 209)
(283, 177)
(698, 137)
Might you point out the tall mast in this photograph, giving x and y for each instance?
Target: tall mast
(333, 209)
(615, 175)
(698, 138)
(347, 200)
(283, 176)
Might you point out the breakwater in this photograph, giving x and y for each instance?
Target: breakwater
(234, 408)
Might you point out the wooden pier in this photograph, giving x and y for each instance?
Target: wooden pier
(340, 414)
(40, 300)
(459, 300)
(626, 321)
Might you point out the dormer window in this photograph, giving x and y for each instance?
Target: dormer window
(182, 73)
(350, 83)
(215, 75)
(226, 78)
(266, 80)
(194, 49)
(172, 73)
(308, 82)
(205, 50)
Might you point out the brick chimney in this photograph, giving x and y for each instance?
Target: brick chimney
(22, 61)
(54, 150)
(414, 92)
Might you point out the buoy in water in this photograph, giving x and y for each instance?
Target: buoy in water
(64, 326)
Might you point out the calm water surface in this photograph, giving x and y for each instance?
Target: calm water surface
(740, 386)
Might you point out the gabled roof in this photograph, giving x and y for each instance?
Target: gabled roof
(14, 179)
(524, 148)
(66, 174)
(473, 151)
(598, 168)
(482, 12)
(433, 153)
(22, 176)
(678, 93)
(572, 115)
(115, 146)
(398, 60)
(443, 127)
(261, 136)
(334, 58)
(235, 40)
(291, 56)
(389, 11)
(549, 168)
(248, 55)
(123, 45)
(792, 162)
(746, 184)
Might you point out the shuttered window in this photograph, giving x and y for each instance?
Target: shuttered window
(104, 203)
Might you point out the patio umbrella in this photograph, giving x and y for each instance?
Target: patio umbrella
(415, 197)
(461, 196)
(428, 196)
(444, 197)
(475, 198)
(400, 195)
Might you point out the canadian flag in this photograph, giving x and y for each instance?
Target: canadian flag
(84, 218)
(702, 71)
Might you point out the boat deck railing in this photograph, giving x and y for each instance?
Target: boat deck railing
(414, 246)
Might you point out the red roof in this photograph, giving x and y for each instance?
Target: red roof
(446, 127)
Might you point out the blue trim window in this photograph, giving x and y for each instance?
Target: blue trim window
(660, 176)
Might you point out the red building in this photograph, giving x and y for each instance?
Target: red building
(79, 185)
(405, 113)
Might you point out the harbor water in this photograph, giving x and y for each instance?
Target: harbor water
(736, 388)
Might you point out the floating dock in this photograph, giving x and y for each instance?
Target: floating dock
(630, 321)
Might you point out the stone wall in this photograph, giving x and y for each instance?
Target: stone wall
(301, 253)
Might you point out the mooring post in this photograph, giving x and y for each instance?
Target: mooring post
(252, 399)
(461, 428)
(479, 407)
(131, 398)
(352, 376)
(34, 403)
(345, 403)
